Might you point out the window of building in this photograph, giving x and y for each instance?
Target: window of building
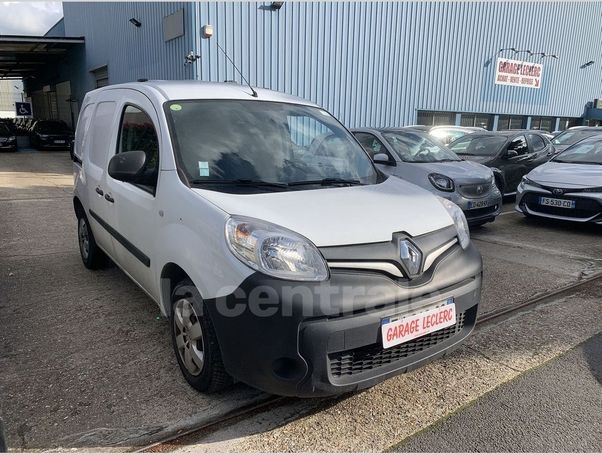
(137, 132)
(101, 76)
(481, 120)
(543, 123)
(511, 122)
(431, 118)
(568, 122)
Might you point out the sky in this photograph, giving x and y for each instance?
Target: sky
(28, 18)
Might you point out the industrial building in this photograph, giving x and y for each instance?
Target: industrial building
(500, 65)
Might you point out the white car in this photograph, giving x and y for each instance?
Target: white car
(282, 259)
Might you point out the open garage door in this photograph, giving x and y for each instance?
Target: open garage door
(36, 58)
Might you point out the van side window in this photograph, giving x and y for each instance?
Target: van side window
(137, 132)
(82, 129)
(103, 125)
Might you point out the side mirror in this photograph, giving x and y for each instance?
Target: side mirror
(127, 166)
(381, 158)
(511, 153)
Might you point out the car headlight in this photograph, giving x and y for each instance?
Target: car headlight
(528, 181)
(43, 136)
(274, 250)
(441, 182)
(12, 139)
(460, 222)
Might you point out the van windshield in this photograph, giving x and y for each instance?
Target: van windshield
(226, 144)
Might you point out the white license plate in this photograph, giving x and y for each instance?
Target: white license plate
(59, 142)
(562, 203)
(478, 204)
(398, 330)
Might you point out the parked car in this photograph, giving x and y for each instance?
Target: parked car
(573, 135)
(568, 187)
(511, 154)
(8, 141)
(414, 156)
(48, 134)
(250, 237)
(448, 134)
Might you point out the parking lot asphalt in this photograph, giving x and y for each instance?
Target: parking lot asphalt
(85, 357)
(555, 408)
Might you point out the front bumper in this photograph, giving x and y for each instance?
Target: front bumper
(588, 206)
(489, 212)
(322, 339)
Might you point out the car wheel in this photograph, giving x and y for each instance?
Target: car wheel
(194, 341)
(92, 257)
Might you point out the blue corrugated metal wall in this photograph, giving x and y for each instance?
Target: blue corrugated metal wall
(370, 63)
(130, 52)
(377, 63)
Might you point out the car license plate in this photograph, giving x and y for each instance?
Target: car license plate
(59, 142)
(478, 204)
(562, 203)
(398, 330)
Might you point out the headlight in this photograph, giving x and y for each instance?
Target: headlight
(274, 250)
(459, 221)
(12, 139)
(441, 182)
(43, 136)
(528, 181)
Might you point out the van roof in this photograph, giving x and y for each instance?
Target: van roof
(186, 90)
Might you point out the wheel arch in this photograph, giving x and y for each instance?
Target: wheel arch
(171, 275)
(500, 179)
(78, 207)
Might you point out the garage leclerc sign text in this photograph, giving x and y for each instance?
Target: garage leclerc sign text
(518, 73)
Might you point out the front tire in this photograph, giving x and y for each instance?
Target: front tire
(194, 341)
(92, 257)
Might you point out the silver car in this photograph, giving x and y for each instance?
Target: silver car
(418, 158)
(573, 135)
(568, 187)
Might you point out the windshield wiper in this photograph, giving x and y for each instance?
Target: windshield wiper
(327, 182)
(242, 182)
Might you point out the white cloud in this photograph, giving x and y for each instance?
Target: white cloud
(28, 18)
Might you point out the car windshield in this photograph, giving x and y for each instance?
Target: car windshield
(478, 145)
(4, 130)
(417, 148)
(238, 141)
(571, 137)
(589, 152)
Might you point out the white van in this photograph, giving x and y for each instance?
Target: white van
(282, 257)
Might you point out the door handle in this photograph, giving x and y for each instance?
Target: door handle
(99, 190)
(109, 198)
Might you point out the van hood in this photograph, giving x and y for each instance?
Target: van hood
(342, 215)
(567, 175)
(459, 171)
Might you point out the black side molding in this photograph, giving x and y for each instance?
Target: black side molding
(121, 239)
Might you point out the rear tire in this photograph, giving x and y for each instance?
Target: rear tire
(92, 257)
(194, 341)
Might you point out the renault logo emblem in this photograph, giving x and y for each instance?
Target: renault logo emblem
(411, 257)
(558, 191)
(479, 189)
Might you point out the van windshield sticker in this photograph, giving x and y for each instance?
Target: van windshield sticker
(203, 169)
(176, 107)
